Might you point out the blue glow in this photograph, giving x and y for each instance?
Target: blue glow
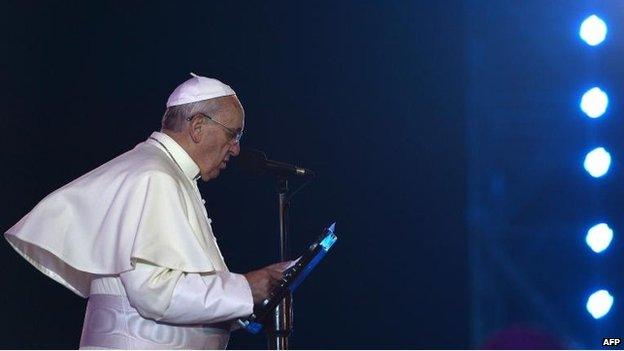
(328, 241)
(599, 304)
(594, 102)
(330, 238)
(599, 237)
(251, 327)
(593, 30)
(597, 162)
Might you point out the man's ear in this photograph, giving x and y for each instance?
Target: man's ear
(196, 127)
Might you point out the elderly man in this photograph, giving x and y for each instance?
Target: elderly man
(134, 237)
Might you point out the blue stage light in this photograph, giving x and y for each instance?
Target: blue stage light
(597, 162)
(599, 237)
(594, 102)
(593, 30)
(599, 303)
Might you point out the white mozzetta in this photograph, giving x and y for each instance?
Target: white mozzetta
(141, 206)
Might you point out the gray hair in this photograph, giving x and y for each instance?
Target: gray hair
(175, 117)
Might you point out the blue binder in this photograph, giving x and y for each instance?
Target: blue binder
(292, 278)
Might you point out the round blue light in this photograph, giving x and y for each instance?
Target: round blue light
(594, 102)
(597, 162)
(599, 237)
(593, 30)
(599, 303)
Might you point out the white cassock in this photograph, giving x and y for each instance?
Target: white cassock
(134, 237)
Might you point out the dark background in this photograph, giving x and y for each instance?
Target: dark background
(368, 94)
(447, 137)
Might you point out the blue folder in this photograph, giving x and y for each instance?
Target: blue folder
(292, 278)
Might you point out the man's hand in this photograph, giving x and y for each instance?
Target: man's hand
(263, 280)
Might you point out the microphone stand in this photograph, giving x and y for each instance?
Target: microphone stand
(281, 324)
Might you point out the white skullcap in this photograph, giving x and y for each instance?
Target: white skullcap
(198, 88)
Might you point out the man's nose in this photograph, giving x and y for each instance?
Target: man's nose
(236, 149)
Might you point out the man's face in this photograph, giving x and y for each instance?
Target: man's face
(218, 144)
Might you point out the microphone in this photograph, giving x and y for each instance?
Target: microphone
(255, 162)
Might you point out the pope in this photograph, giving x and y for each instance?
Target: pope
(133, 235)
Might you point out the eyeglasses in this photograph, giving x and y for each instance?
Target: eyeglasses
(232, 133)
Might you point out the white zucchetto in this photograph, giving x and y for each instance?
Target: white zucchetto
(198, 88)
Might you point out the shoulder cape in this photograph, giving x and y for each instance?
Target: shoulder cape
(138, 206)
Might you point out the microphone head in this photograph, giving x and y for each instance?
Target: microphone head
(251, 161)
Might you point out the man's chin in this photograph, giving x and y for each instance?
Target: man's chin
(209, 176)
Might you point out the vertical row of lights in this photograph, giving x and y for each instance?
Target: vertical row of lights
(594, 103)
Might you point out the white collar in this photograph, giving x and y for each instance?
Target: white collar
(178, 154)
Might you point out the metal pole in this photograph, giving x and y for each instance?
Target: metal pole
(281, 328)
(283, 207)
